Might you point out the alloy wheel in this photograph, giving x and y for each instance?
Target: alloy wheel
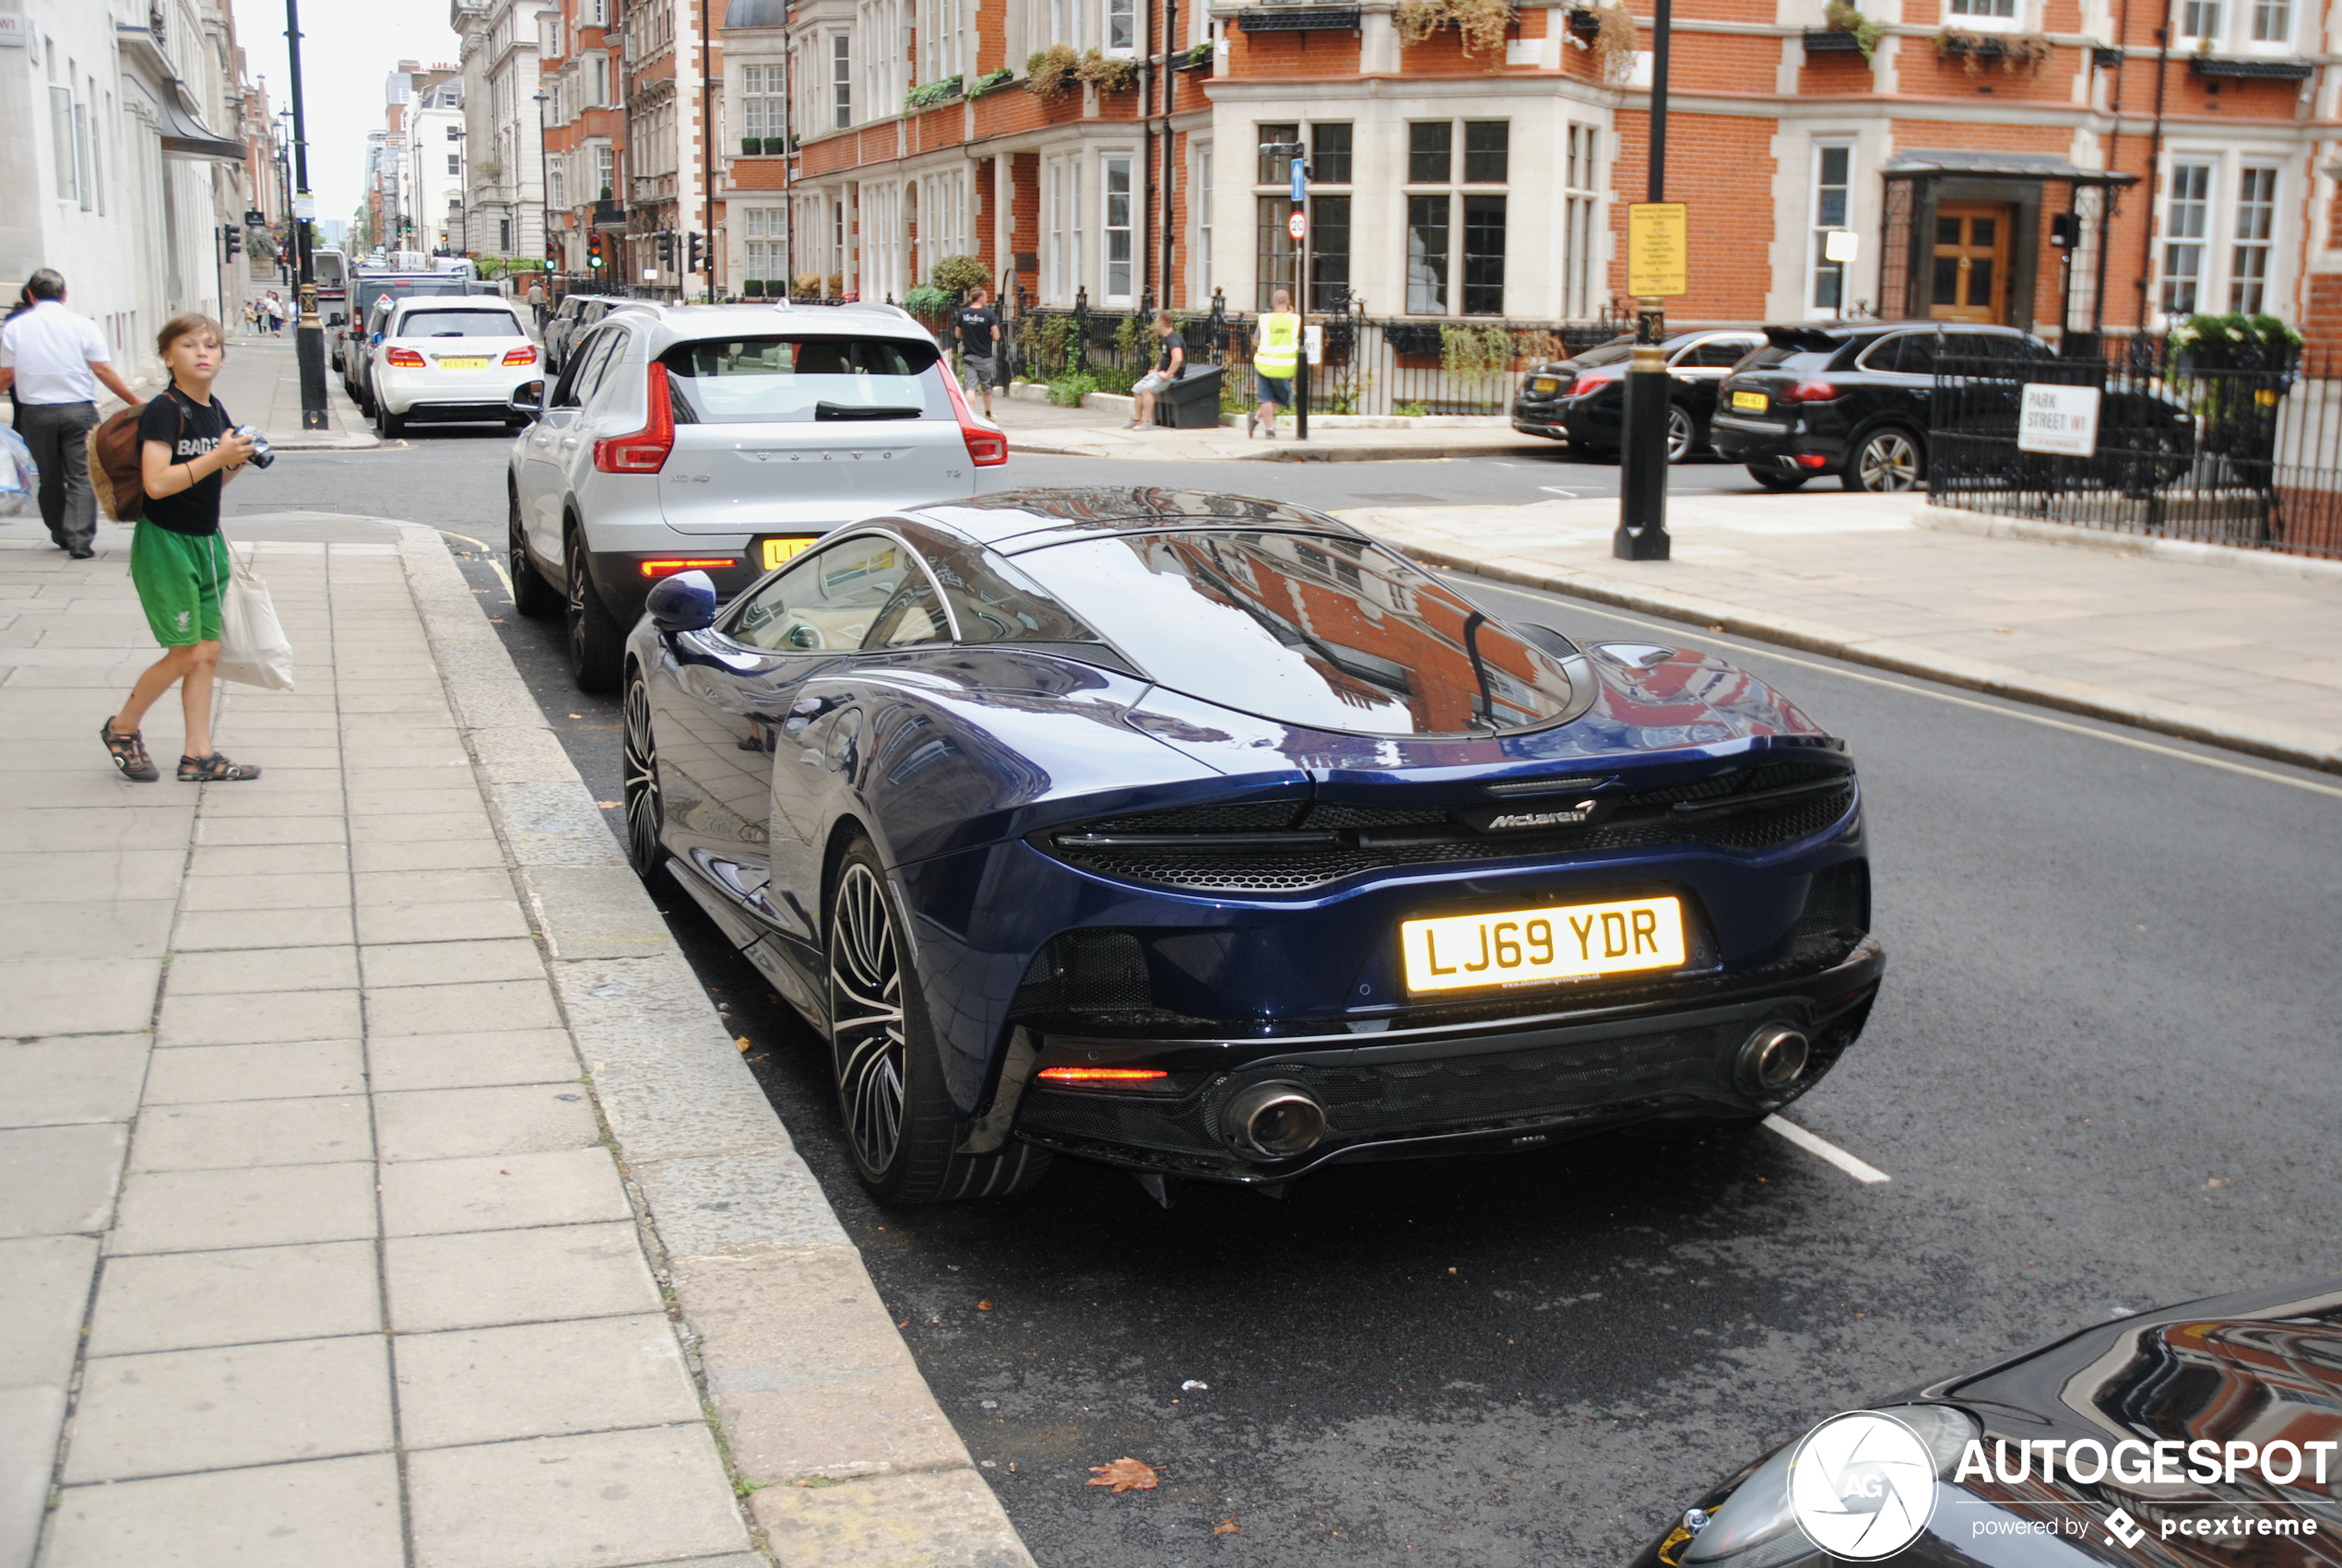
(1889, 462)
(1679, 434)
(645, 807)
(865, 1018)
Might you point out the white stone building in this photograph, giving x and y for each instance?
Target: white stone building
(503, 42)
(121, 156)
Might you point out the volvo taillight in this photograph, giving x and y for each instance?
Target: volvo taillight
(645, 451)
(987, 445)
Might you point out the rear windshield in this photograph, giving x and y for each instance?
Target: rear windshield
(1772, 357)
(799, 380)
(1314, 630)
(459, 324)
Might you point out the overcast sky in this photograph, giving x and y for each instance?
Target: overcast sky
(348, 47)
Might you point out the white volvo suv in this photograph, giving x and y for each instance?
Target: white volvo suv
(722, 439)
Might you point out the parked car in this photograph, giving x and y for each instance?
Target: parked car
(1858, 400)
(441, 359)
(1205, 836)
(2193, 1427)
(347, 343)
(569, 324)
(722, 439)
(1582, 399)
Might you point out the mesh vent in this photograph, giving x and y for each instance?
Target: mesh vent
(1266, 816)
(1084, 973)
(1323, 816)
(1837, 913)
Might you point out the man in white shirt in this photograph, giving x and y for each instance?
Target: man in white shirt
(54, 360)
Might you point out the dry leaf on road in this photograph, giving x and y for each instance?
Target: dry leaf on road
(1225, 1528)
(1123, 1475)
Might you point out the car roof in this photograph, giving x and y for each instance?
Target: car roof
(1034, 517)
(692, 324)
(484, 304)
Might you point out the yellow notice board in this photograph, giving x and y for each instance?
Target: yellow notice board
(1658, 250)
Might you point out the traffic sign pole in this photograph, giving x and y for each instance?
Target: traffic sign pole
(1658, 266)
(1298, 226)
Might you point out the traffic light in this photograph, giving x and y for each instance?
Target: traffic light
(236, 237)
(553, 252)
(594, 257)
(695, 251)
(666, 247)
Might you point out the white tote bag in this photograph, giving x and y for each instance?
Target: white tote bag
(253, 649)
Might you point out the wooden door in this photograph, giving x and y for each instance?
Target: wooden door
(1968, 278)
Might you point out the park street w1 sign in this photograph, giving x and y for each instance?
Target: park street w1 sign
(2062, 420)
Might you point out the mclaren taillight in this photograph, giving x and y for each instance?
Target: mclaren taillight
(645, 451)
(522, 355)
(405, 358)
(1102, 1078)
(1806, 392)
(668, 566)
(987, 445)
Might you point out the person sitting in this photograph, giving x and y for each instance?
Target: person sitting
(1169, 366)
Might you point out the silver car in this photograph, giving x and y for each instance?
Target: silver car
(723, 439)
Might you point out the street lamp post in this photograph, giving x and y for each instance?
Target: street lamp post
(308, 338)
(1642, 457)
(544, 202)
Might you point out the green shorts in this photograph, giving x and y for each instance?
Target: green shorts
(179, 577)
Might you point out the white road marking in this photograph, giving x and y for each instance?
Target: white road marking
(1556, 489)
(494, 565)
(1848, 672)
(1829, 1153)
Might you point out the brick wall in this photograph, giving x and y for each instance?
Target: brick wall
(1722, 166)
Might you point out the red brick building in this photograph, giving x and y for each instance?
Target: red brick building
(584, 80)
(2028, 161)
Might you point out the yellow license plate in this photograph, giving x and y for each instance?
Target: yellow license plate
(1524, 947)
(1750, 402)
(1545, 384)
(780, 552)
(463, 364)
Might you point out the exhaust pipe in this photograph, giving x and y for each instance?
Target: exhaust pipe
(1774, 1059)
(1275, 1121)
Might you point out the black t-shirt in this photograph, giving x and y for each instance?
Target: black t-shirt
(975, 323)
(189, 431)
(1162, 365)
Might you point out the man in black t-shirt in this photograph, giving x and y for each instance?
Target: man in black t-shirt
(980, 334)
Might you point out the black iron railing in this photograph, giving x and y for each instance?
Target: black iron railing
(2218, 443)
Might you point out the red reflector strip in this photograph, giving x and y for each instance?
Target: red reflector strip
(1102, 1075)
(694, 563)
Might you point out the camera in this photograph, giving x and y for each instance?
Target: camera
(261, 454)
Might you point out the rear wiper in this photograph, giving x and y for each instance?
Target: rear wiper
(825, 410)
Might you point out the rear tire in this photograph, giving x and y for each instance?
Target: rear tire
(1683, 434)
(890, 1081)
(533, 597)
(1774, 479)
(596, 643)
(1888, 462)
(388, 425)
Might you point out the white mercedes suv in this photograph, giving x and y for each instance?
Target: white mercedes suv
(449, 359)
(722, 439)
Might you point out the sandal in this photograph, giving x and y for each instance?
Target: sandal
(214, 768)
(129, 753)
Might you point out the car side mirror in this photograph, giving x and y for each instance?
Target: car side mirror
(375, 341)
(337, 319)
(1545, 637)
(528, 398)
(685, 602)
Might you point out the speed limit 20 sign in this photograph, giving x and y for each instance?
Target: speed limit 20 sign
(1297, 226)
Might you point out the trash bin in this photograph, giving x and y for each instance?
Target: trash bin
(1191, 403)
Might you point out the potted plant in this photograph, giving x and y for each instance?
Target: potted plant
(1481, 25)
(1848, 31)
(753, 287)
(1109, 74)
(991, 80)
(1050, 72)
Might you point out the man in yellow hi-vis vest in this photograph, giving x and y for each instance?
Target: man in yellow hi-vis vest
(1276, 353)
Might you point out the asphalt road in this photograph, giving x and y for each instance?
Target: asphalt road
(2101, 1075)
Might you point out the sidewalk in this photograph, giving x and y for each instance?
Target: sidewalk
(377, 1186)
(1045, 430)
(260, 384)
(2246, 654)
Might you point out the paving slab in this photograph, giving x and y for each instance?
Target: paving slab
(263, 970)
(44, 1294)
(83, 995)
(197, 1074)
(501, 1192)
(618, 1497)
(471, 1059)
(268, 1206)
(246, 1296)
(343, 1512)
(243, 1017)
(173, 1411)
(56, 1180)
(541, 1380)
(436, 1009)
(533, 1276)
(30, 1421)
(253, 1132)
(89, 1079)
(446, 1123)
(939, 1519)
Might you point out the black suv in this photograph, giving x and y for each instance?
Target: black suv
(1851, 399)
(1582, 399)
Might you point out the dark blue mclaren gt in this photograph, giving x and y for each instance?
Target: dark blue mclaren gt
(1206, 836)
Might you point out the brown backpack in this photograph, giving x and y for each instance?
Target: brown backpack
(117, 471)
